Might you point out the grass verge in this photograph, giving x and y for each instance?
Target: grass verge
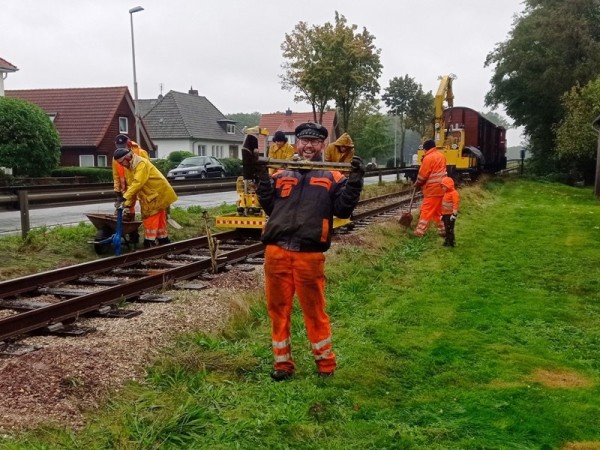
(492, 344)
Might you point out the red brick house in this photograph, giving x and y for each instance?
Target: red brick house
(288, 121)
(87, 121)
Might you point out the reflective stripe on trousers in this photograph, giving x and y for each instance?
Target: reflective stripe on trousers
(431, 211)
(155, 226)
(302, 273)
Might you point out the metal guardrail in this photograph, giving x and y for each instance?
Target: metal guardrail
(25, 198)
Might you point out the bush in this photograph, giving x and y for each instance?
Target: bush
(233, 166)
(164, 165)
(177, 156)
(29, 143)
(91, 174)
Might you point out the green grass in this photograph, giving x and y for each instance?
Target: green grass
(494, 344)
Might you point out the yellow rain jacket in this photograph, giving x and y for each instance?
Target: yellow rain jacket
(151, 188)
(285, 152)
(119, 177)
(341, 150)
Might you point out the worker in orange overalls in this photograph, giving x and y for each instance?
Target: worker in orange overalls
(119, 172)
(301, 204)
(429, 179)
(450, 203)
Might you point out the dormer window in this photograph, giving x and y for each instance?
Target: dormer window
(230, 128)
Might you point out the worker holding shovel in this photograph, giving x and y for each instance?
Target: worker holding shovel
(429, 179)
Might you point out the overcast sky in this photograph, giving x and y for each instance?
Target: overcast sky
(230, 51)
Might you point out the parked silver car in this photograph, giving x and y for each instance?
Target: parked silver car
(197, 167)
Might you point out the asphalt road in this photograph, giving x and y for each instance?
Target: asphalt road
(10, 221)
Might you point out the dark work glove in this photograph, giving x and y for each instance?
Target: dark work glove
(118, 199)
(357, 172)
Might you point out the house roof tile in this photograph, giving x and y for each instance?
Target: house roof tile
(188, 116)
(5, 66)
(288, 121)
(83, 115)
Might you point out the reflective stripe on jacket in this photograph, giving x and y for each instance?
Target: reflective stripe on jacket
(431, 173)
(451, 197)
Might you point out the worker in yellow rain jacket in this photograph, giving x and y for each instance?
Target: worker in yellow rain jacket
(341, 150)
(280, 148)
(152, 190)
(429, 179)
(119, 175)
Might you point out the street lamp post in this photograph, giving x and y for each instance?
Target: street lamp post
(135, 89)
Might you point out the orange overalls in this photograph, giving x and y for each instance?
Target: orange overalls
(301, 205)
(431, 173)
(287, 272)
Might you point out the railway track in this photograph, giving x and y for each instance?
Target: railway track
(51, 302)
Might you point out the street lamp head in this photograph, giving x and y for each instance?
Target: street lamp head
(136, 9)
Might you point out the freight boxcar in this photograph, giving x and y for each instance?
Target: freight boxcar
(482, 138)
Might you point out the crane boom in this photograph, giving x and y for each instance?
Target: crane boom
(444, 92)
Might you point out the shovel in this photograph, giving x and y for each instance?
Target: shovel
(406, 218)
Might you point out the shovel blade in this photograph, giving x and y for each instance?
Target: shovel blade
(406, 219)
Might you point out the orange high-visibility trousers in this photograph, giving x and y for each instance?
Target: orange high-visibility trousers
(303, 273)
(155, 226)
(431, 211)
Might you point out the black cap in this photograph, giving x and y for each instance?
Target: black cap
(428, 145)
(121, 140)
(120, 152)
(279, 137)
(311, 130)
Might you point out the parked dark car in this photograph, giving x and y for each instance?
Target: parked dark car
(197, 167)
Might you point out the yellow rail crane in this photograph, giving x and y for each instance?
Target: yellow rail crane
(450, 139)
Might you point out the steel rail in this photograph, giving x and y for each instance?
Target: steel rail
(36, 319)
(16, 286)
(22, 323)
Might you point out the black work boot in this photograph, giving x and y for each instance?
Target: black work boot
(281, 375)
(163, 241)
(148, 243)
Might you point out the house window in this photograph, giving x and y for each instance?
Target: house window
(230, 128)
(202, 150)
(123, 125)
(86, 161)
(102, 160)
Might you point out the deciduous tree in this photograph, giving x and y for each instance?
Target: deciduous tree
(553, 46)
(331, 62)
(576, 140)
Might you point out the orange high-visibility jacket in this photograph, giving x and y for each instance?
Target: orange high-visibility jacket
(119, 175)
(431, 172)
(451, 197)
